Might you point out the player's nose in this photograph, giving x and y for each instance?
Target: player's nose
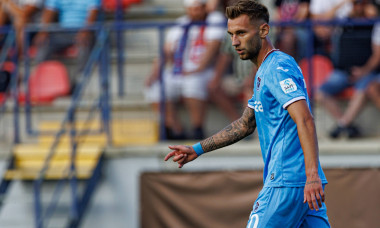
(235, 41)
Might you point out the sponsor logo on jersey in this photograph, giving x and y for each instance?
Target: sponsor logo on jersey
(258, 107)
(288, 85)
(281, 68)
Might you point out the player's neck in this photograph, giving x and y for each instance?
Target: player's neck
(266, 49)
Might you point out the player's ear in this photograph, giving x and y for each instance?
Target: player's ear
(264, 30)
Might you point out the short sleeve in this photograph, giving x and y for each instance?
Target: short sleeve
(287, 84)
(252, 102)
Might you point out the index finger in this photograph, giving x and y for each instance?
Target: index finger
(169, 155)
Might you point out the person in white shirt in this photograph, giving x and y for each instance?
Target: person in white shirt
(191, 46)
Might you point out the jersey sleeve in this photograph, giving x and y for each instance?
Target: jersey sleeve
(287, 84)
(251, 102)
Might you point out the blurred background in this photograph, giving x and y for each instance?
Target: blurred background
(93, 91)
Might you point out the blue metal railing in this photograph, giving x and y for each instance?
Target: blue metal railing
(76, 210)
(27, 62)
(9, 51)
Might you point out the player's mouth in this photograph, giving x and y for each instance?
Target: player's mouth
(239, 51)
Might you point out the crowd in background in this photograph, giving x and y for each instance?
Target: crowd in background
(202, 67)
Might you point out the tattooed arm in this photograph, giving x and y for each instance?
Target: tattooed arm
(234, 132)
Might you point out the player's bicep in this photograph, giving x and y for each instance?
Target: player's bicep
(299, 111)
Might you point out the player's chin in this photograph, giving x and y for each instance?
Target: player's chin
(243, 57)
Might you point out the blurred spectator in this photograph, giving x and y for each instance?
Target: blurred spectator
(19, 13)
(222, 90)
(292, 40)
(374, 88)
(212, 5)
(325, 10)
(356, 66)
(243, 73)
(191, 48)
(71, 14)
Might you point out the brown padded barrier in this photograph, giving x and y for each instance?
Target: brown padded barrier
(225, 198)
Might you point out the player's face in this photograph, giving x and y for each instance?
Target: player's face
(245, 37)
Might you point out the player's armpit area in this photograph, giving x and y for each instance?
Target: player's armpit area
(234, 132)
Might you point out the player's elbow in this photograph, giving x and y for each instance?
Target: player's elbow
(306, 121)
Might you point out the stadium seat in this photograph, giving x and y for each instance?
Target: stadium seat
(48, 81)
(322, 67)
(111, 5)
(3, 97)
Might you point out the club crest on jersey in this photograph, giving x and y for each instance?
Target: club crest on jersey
(258, 83)
(288, 85)
(256, 207)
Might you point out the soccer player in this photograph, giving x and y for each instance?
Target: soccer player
(293, 192)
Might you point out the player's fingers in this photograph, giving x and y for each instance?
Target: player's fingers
(182, 159)
(319, 201)
(169, 155)
(304, 198)
(314, 202)
(177, 147)
(309, 202)
(178, 157)
(322, 193)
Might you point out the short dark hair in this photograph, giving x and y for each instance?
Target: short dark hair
(253, 9)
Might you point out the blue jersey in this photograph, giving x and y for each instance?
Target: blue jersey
(279, 83)
(73, 13)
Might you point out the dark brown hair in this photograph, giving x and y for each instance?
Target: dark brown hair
(253, 9)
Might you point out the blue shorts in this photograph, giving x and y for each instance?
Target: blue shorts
(339, 80)
(283, 207)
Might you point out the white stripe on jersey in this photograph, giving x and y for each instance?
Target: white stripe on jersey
(256, 221)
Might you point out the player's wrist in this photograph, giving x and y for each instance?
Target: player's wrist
(198, 149)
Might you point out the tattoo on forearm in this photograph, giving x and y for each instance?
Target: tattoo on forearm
(312, 182)
(234, 132)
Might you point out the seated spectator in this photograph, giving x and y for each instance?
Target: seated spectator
(191, 48)
(20, 13)
(71, 14)
(357, 65)
(243, 73)
(292, 40)
(326, 10)
(373, 90)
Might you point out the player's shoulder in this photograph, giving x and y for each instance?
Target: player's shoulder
(283, 62)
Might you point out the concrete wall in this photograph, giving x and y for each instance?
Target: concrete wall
(116, 200)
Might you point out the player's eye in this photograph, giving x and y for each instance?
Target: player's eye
(240, 33)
